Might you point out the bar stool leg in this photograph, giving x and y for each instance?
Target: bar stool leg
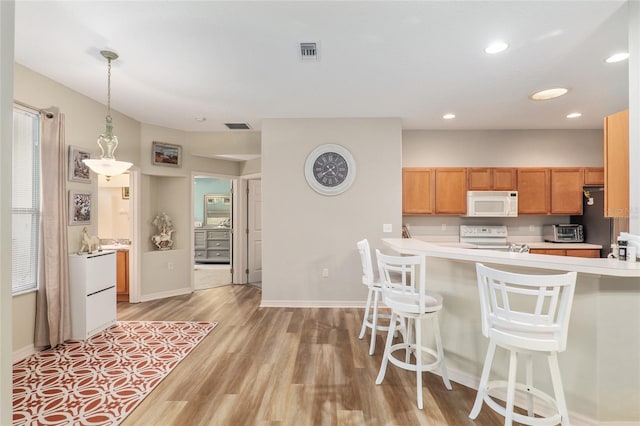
(511, 388)
(443, 364)
(557, 388)
(374, 322)
(387, 349)
(366, 315)
(418, 353)
(484, 379)
(529, 383)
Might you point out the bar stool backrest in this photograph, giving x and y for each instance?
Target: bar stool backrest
(529, 311)
(367, 266)
(403, 280)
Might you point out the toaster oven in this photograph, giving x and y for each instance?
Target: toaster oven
(563, 233)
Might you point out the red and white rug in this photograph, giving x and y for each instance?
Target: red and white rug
(99, 381)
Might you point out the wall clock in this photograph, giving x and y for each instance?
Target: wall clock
(330, 169)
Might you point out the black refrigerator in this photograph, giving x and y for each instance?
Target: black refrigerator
(597, 228)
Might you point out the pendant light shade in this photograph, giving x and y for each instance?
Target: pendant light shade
(107, 165)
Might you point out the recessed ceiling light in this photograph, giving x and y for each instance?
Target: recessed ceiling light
(543, 95)
(574, 115)
(201, 119)
(449, 116)
(496, 47)
(621, 56)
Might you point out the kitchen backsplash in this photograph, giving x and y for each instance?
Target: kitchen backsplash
(525, 228)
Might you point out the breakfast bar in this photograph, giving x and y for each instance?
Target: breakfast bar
(601, 366)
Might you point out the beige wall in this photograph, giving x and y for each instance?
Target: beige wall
(502, 148)
(6, 120)
(304, 232)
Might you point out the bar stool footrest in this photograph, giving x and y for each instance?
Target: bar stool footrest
(409, 366)
(527, 420)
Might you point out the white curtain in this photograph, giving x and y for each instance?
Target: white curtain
(53, 317)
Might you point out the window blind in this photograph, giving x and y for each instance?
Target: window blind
(25, 200)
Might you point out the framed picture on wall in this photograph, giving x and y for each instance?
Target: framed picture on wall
(166, 154)
(78, 171)
(79, 207)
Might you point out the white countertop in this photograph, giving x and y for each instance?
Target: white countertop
(466, 252)
(115, 246)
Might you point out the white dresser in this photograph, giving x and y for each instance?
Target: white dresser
(92, 281)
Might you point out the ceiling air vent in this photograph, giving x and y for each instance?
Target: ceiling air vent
(237, 126)
(309, 51)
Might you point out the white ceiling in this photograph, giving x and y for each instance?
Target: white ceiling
(239, 61)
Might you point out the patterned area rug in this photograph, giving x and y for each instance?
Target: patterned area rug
(101, 380)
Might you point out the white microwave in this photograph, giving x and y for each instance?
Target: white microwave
(492, 203)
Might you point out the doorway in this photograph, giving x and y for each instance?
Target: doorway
(254, 232)
(212, 231)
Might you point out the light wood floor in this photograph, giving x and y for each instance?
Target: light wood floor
(286, 366)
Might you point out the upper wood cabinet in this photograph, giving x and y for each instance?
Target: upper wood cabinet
(533, 190)
(616, 165)
(417, 190)
(566, 190)
(451, 190)
(496, 179)
(594, 176)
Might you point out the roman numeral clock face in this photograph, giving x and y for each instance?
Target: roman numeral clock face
(330, 169)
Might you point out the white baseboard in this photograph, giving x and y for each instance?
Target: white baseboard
(22, 353)
(312, 304)
(165, 294)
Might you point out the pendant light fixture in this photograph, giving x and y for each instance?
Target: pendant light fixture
(107, 165)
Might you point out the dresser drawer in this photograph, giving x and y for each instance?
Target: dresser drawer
(201, 254)
(218, 244)
(217, 235)
(218, 255)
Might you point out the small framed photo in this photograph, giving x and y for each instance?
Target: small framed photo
(166, 154)
(79, 207)
(78, 171)
(125, 192)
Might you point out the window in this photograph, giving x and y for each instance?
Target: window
(25, 199)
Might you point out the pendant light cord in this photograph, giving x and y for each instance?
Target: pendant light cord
(109, 87)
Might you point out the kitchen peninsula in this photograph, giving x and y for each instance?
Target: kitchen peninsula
(601, 366)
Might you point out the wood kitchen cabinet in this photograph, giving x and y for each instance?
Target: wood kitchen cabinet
(451, 190)
(418, 196)
(566, 190)
(491, 179)
(594, 176)
(122, 275)
(616, 164)
(591, 253)
(533, 190)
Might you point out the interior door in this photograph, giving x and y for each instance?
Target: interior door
(254, 234)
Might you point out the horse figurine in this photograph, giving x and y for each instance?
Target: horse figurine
(163, 240)
(90, 243)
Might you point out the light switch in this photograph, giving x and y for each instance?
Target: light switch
(387, 227)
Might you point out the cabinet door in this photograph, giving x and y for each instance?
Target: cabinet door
(504, 179)
(122, 273)
(616, 165)
(451, 190)
(533, 191)
(495, 179)
(566, 191)
(594, 176)
(417, 191)
(552, 252)
(480, 179)
(583, 252)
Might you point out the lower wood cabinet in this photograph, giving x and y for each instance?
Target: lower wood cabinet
(122, 274)
(594, 253)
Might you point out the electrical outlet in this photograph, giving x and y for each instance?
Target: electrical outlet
(532, 228)
(444, 227)
(170, 266)
(325, 272)
(387, 227)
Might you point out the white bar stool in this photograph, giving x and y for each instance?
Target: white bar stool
(525, 314)
(403, 280)
(371, 319)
